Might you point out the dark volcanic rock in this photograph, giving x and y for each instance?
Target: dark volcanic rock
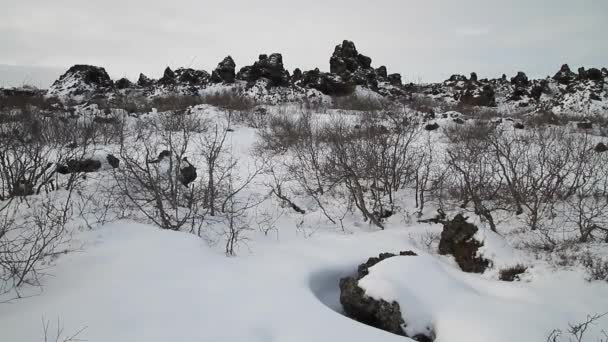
(473, 77)
(91, 75)
(113, 161)
(600, 147)
(77, 166)
(431, 127)
(381, 72)
(347, 58)
(328, 84)
(484, 97)
(395, 79)
(191, 76)
(457, 239)
(268, 67)
(144, 81)
(123, 83)
(187, 173)
(225, 71)
(377, 313)
(168, 77)
(564, 75)
(520, 80)
(296, 76)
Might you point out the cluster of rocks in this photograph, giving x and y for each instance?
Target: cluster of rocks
(374, 312)
(348, 68)
(457, 239)
(582, 91)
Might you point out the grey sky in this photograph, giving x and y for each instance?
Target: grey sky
(423, 40)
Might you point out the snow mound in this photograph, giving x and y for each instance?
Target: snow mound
(434, 295)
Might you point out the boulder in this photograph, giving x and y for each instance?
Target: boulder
(600, 148)
(376, 313)
(225, 71)
(458, 239)
(432, 126)
(113, 161)
(187, 172)
(520, 80)
(78, 166)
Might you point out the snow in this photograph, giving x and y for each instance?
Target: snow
(459, 306)
(134, 282)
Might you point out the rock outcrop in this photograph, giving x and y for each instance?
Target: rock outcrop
(81, 80)
(458, 239)
(564, 75)
(224, 72)
(268, 67)
(377, 313)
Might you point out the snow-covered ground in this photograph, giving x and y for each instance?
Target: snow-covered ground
(129, 281)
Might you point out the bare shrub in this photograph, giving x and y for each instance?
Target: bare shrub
(151, 176)
(360, 103)
(477, 175)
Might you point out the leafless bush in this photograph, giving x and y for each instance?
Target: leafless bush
(59, 335)
(360, 103)
(151, 176)
(230, 100)
(480, 182)
(576, 332)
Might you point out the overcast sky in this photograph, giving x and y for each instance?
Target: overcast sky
(425, 40)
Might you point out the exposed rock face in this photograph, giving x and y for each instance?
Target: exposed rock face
(457, 239)
(225, 71)
(268, 67)
(123, 83)
(520, 80)
(592, 74)
(473, 77)
(296, 76)
(381, 72)
(479, 96)
(395, 80)
(564, 75)
(82, 80)
(144, 81)
(377, 313)
(354, 67)
(191, 77)
(326, 83)
(168, 77)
